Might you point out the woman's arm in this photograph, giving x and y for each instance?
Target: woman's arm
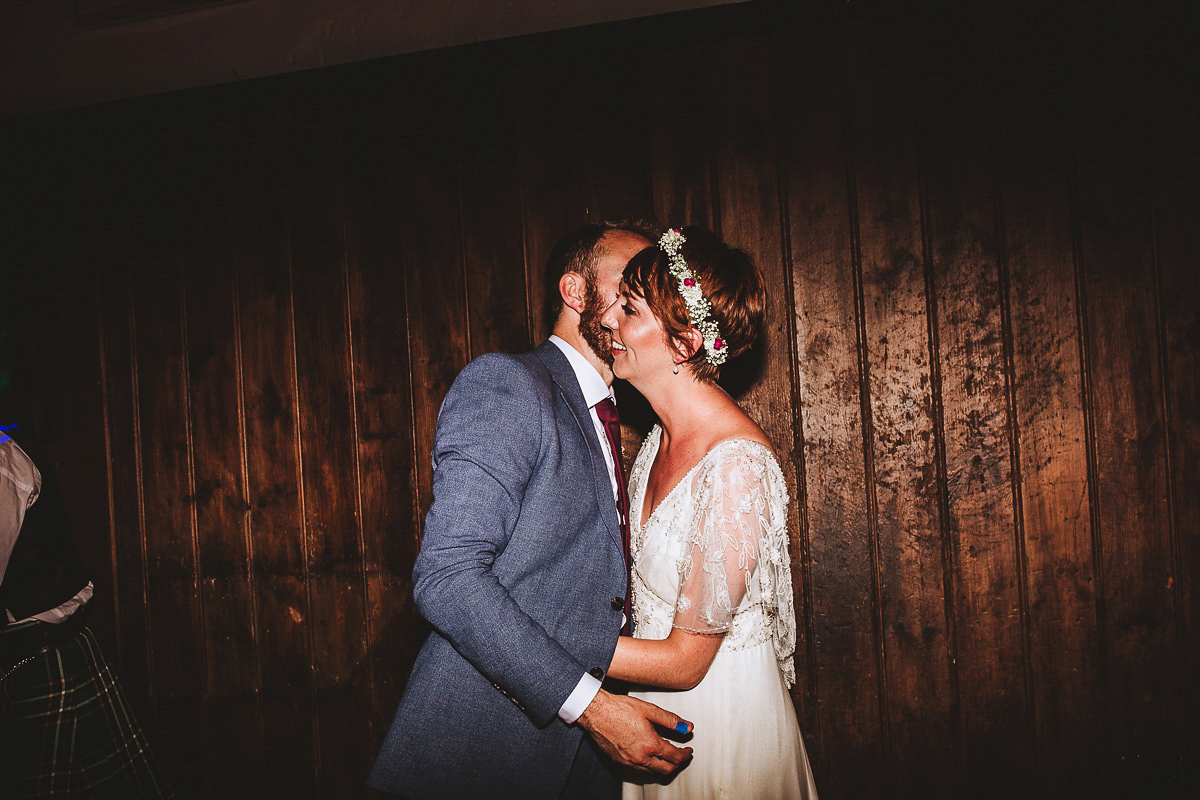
(678, 662)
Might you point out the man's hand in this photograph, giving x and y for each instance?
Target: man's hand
(624, 729)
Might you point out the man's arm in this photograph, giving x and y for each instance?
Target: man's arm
(485, 450)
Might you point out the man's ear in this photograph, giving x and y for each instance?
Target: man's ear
(573, 290)
(687, 345)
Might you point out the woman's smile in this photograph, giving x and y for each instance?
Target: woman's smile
(639, 343)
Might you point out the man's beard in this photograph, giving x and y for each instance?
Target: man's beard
(595, 334)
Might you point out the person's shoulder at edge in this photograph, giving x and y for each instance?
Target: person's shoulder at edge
(493, 404)
(496, 377)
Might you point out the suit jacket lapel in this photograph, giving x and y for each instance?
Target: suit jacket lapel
(564, 376)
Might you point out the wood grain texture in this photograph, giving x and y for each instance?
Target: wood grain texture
(388, 502)
(677, 134)
(321, 327)
(848, 727)
(1032, 143)
(279, 556)
(115, 331)
(553, 192)
(918, 689)
(1117, 277)
(1174, 128)
(496, 293)
(431, 211)
(267, 341)
(981, 537)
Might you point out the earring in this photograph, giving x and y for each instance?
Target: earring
(676, 370)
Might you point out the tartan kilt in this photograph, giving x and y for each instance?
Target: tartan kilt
(67, 730)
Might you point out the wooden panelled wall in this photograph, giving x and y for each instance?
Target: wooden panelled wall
(979, 230)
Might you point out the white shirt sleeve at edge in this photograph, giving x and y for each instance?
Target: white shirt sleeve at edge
(578, 701)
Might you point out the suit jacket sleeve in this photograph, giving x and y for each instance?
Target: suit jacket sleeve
(486, 448)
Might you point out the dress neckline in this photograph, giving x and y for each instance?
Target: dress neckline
(656, 436)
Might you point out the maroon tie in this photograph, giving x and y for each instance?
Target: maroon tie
(606, 410)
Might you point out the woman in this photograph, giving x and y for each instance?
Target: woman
(712, 592)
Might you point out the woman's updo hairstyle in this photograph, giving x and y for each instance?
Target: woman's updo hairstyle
(728, 279)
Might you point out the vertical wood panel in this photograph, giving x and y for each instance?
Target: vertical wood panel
(343, 691)
(329, 464)
(846, 681)
(433, 258)
(203, 210)
(491, 221)
(380, 340)
(613, 146)
(289, 712)
(111, 229)
(267, 351)
(1032, 144)
(322, 349)
(982, 546)
(159, 321)
(681, 177)
(553, 194)
(272, 458)
(1116, 249)
(918, 686)
(1175, 128)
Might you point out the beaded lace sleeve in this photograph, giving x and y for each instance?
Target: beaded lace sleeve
(737, 547)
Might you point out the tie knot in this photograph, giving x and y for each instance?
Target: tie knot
(606, 410)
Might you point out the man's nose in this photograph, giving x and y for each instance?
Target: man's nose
(606, 318)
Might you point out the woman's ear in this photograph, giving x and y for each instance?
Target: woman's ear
(687, 345)
(573, 290)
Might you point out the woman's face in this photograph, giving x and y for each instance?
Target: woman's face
(639, 343)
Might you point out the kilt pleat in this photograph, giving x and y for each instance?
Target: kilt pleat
(69, 732)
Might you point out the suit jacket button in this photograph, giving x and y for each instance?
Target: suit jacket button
(596, 673)
(617, 603)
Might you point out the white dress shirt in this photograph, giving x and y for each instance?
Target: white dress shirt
(594, 390)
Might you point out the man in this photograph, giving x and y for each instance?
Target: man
(522, 571)
(65, 726)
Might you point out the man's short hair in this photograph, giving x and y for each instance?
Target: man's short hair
(579, 251)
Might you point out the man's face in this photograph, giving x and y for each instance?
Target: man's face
(617, 247)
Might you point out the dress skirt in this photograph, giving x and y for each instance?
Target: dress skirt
(745, 739)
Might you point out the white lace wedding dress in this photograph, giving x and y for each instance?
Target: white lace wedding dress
(713, 558)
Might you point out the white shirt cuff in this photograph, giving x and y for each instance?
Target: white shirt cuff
(578, 701)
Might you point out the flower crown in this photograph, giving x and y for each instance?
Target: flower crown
(698, 307)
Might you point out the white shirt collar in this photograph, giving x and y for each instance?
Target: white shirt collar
(590, 383)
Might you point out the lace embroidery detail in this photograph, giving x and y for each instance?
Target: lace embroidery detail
(713, 556)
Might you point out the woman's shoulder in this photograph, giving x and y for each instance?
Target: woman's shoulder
(737, 431)
(748, 454)
(741, 452)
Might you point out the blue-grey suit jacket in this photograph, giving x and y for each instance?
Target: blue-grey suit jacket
(520, 572)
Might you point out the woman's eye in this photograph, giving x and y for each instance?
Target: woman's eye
(629, 312)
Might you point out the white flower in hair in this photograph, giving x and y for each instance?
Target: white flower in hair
(698, 307)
